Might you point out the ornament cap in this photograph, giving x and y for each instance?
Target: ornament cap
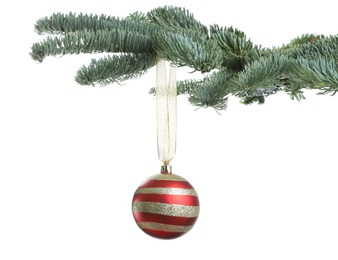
(166, 169)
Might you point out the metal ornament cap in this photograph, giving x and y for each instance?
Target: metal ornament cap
(165, 206)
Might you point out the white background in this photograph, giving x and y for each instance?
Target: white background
(72, 156)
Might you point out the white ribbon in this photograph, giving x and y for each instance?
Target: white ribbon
(166, 106)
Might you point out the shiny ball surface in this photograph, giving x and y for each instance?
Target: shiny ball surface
(165, 206)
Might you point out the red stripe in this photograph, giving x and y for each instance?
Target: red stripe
(166, 184)
(186, 200)
(163, 234)
(170, 220)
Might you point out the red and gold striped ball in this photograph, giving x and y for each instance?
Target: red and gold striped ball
(165, 206)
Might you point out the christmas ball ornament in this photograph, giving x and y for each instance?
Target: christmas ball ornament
(165, 206)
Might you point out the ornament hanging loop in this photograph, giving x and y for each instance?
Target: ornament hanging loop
(166, 112)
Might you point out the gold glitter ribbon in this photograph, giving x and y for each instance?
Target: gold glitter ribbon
(166, 106)
(171, 191)
(166, 209)
(164, 227)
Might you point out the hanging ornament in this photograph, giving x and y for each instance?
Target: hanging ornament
(166, 205)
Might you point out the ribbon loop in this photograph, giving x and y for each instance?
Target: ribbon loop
(166, 107)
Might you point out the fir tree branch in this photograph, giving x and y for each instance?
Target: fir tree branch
(59, 23)
(244, 69)
(261, 79)
(212, 92)
(183, 86)
(183, 40)
(115, 68)
(320, 74)
(91, 42)
(237, 50)
(262, 73)
(295, 91)
(304, 39)
(321, 47)
(138, 17)
(175, 19)
(189, 48)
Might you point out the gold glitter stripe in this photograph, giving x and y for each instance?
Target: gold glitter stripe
(171, 191)
(167, 177)
(166, 209)
(163, 227)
